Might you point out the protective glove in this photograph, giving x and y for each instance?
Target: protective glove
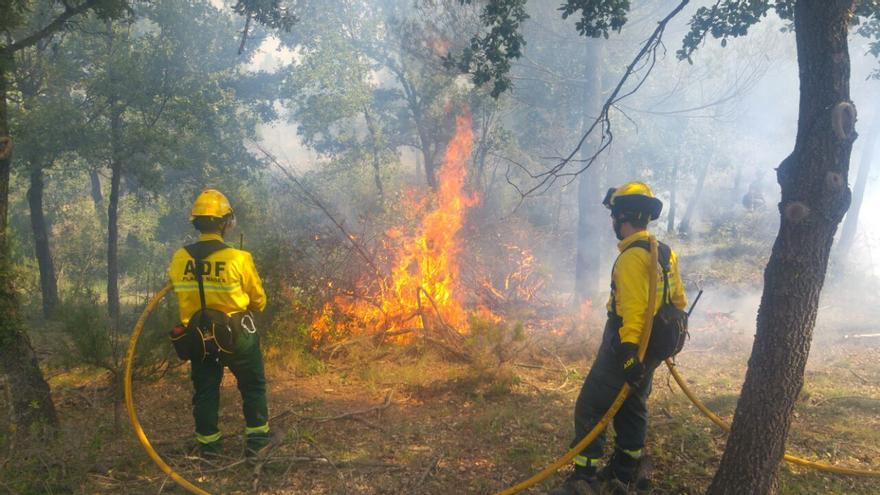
(633, 369)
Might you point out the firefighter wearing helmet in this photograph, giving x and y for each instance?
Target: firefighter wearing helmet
(632, 206)
(217, 287)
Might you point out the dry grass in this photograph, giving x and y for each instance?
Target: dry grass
(446, 430)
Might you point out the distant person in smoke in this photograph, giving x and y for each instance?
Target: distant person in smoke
(632, 206)
(217, 286)
(754, 199)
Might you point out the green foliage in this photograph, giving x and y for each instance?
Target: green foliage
(367, 84)
(598, 17)
(488, 56)
(14, 13)
(867, 20)
(492, 345)
(165, 90)
(729, 19)
(270, 13)
(287, 331)
(84, 323)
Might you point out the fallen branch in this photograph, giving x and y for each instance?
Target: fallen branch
(845, 397)
(380, 407)
(226, 467)
(314, 459)
(457, 354)
(336, 346)
(538, 367)
(450, 332)
(332, 464)
(324, 460)
(861, 379)
(427, 472)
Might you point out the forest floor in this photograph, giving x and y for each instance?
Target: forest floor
(404, 420)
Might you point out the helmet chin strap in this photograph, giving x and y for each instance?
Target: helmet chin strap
(621, 219)
(616, 224)
(228, 224)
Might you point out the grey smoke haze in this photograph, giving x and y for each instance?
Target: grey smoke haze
(742, 100)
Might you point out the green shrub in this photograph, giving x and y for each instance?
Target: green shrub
(492, 344)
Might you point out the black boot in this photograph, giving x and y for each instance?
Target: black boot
(625, 474)
(582, 481)
(622, 467)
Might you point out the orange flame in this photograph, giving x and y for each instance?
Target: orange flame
(423, 283)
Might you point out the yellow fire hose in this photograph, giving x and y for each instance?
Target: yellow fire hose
(540, 476)
(819, 466)
(129, 402)
(624, 391)
(621, 396)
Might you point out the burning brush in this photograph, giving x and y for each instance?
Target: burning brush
(422, 291)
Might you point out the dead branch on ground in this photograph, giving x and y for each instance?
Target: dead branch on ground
(427, 472)
(384, 405)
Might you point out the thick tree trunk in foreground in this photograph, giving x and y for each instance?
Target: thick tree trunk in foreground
(48, 283)
(815, 197)
(586, 272)
(851, 222)
(31, 401)
(113, 222)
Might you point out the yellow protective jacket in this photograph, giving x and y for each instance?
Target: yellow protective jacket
(231, 281)
(630, 287)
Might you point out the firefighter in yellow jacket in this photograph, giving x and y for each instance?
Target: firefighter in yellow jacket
(217, 286)
(632, 206)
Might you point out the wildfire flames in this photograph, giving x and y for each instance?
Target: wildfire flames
(422, 288)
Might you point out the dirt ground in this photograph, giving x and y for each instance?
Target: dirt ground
(405, 420)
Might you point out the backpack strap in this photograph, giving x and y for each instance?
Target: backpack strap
(664, 257)
(199, 251)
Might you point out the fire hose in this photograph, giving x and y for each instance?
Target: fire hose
(129, 401)
(624, 392)
(540, 476)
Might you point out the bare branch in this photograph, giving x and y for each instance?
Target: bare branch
(320, 205)
(52, 27)
(244, 33)
(644, 63)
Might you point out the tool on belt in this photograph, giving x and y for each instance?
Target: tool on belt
(209, 331)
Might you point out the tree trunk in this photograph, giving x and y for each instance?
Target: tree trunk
(670, 220)
(374, 142)
(48, 283)
(815, 197)
(113, 221)
(97, 195)
(428, 157)
(684, 227)
(32, 403)
(587, 261)
(851, 221)
(586, 271)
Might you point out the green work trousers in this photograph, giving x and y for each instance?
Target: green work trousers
(247, 366)
(601, 387)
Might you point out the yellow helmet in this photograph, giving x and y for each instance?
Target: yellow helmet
(211, 203)
(633, 198)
